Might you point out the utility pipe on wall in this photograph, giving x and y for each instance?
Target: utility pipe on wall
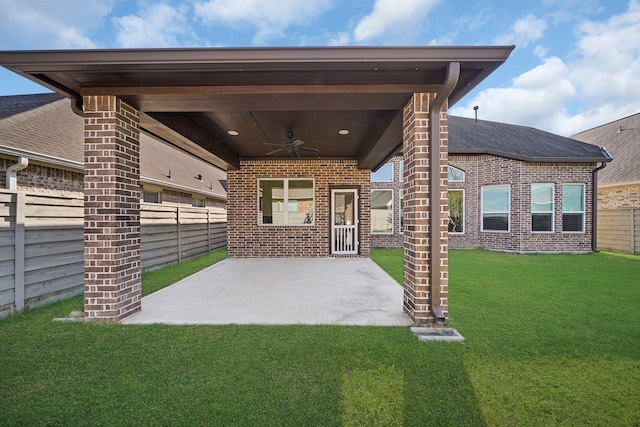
(450, 82)
(12, 172)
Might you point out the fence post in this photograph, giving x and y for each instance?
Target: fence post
(633, 230)
(208, 230)
(18, 269)
(178, 220)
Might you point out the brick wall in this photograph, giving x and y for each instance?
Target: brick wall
(484, 170)
(246, 238)
(44, 179)
(620, 197)
(391, 240)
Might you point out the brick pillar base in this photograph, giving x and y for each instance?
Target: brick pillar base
(112, 287)
(418, 237)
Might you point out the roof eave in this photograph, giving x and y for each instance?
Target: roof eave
(530, 158)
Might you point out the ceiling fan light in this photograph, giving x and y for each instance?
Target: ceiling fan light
(343, 131)
(233, 132)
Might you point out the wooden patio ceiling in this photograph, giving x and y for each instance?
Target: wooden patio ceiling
(223, 105)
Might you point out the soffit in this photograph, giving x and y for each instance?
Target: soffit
(193, 97)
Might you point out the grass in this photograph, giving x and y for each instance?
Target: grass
(550, 340)
(158, 279)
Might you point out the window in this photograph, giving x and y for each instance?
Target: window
(385, 173)
(285, 201)
(456, 211)
(401, 170)
(573, 207)
(151, 197)
(382, 211)
(455, 174)
(197, 203)
(495, 207)
(542, 208)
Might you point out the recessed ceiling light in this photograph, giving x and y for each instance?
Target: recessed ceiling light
(343, 131)
(233, 132)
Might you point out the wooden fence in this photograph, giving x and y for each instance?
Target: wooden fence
(619, 230)
(42, 252)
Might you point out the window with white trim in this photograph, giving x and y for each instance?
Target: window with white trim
(542, 207)
(384, 174)
(496, 204)
(286, 201)
(455, 174)
(382, 211)
(573, 208)
(456, 211)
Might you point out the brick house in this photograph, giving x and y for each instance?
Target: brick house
(43, 129)
(511, 188)
(618, 184)
(349, 109)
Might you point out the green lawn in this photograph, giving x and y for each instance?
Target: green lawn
(550, 340)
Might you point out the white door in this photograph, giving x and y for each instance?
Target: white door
(344, 222)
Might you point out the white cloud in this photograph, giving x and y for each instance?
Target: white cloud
(156, 26)
(524, 31)
(270, 19)
(392, 16)
(601, 75)
(44, 24)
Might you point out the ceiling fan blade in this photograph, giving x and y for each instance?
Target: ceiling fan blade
(311, 150)
(275, 151)
(272, 144)
(294, 154)
(296, 143)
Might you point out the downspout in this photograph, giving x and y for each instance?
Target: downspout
(594, 201)
(450, 82)
(12, 172)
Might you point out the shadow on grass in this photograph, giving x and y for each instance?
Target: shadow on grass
(55, 373)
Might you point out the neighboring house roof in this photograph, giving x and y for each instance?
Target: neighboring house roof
(468, 136)
(43, 127)
(622, 139)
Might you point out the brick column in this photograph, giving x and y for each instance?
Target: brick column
(418, 237)
(112, 287)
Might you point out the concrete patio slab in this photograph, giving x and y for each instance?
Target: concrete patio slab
(280, 291)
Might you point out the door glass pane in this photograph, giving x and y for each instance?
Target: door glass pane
(344, 209)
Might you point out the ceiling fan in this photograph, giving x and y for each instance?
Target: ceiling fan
(292, 146)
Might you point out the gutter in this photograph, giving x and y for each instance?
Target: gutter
(12, 172)
(594, 200)
(450, 82)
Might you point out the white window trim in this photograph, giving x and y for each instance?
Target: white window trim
(286, 202)
(583, 212)
(482, 212)
(384, 180)
(393, 209)
(553, 208)
(464, 228)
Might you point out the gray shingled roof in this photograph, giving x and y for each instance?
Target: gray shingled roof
(44, 126)
(16, 104)
(621, 138)
(467, 136)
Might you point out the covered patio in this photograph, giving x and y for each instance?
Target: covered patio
(280, 291)
(298, 131)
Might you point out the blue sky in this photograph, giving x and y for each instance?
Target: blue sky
(576, 64)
